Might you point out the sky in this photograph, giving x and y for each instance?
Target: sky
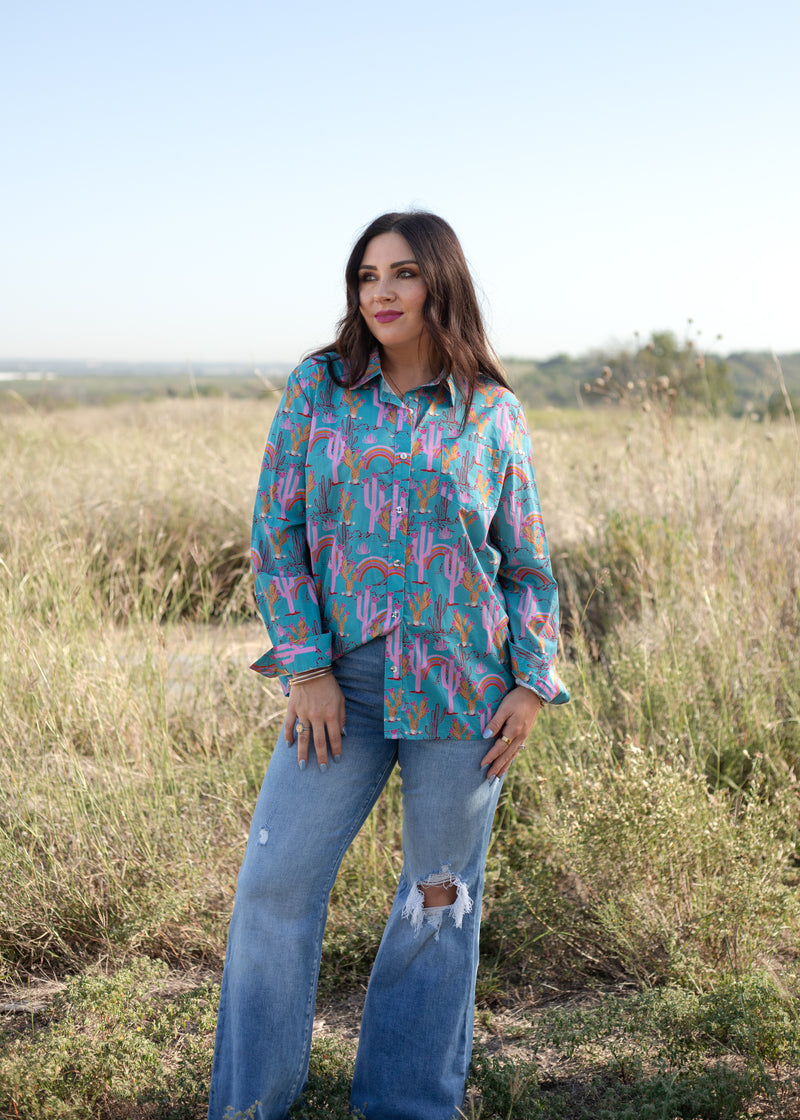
(184, 181)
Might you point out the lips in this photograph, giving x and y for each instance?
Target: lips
(388, 316)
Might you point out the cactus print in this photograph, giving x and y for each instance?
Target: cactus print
(376, 516)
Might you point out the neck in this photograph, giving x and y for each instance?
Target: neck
(408, 367)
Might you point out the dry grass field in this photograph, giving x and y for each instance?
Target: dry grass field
(641, 943)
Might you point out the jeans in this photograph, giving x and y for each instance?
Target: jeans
(416, 1032)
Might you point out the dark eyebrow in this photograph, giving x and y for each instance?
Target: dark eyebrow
(394, 264)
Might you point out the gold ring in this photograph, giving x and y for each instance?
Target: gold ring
(301, 727)
(506, 739)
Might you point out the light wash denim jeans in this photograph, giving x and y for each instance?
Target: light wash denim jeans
(416, 1032)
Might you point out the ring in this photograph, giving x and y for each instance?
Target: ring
(301, 727)
(506, 740)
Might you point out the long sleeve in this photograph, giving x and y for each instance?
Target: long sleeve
(525, 575)
(284, 586)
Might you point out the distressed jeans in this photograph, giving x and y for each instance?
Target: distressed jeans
(416, 1032)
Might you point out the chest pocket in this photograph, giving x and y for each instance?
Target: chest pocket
(472, 472)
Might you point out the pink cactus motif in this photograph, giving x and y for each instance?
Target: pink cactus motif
(288, 487)
(453, 571)
(374, 499)
(430, 443)
(421, 551)
(288, 591)
(511, 510)
(382, 408)
(450, 676)
(337, 559)
(491, 613)
(335, 452)
(528, 609)
(418, 662)
(366, 611)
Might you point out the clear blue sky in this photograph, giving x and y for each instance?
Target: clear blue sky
(184, 180)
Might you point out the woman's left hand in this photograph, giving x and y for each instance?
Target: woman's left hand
(512, 723)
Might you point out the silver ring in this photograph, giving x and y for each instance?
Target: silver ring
(301, 727)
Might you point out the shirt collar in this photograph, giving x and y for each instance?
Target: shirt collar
(454, 391)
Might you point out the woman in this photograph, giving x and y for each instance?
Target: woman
(402, 571)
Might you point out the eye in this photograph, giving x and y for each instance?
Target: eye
(406, 274)
(364, 276)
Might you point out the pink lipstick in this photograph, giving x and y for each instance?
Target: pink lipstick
(388, 316)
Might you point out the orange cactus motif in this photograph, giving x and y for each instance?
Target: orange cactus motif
(532, 532)
(292, 393)
(340, 615)
(417, 712)
(278, 539)
(268, 497)
(385, 521)
(469, 694)
(460, 730)
(272, 598)
(428, 489)
(353, 404)
(354, 465)
(463, 625)
(393, 701)
(349, 575)
(423, 600)
(474, 584)
(347, 504)
(298, 633)
(488, 392)
(483, 486)
(449, 457)
(299, 435)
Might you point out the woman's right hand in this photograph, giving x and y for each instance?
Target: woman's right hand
(317, 706)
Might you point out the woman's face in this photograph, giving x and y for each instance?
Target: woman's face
(391, 291)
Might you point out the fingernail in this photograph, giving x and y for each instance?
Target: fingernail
(337, 758)
(302, 764)
(344, 731)
(323, 767)
(488, 733)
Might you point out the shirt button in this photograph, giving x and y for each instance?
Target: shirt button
(395, 614)
(403, 455)
(396, 563)
(400, 510)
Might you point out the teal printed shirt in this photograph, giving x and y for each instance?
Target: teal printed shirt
(376, 516)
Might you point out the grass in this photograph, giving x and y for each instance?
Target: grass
(646, 843)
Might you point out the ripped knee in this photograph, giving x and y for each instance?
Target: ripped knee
(431, 898)
(437, 894)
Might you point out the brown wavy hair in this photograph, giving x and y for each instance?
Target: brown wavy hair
(451, 313)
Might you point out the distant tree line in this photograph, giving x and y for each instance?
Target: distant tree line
(663, 372)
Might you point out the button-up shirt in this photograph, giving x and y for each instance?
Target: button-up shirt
(379, 516)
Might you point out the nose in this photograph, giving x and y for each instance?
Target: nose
(384, 290)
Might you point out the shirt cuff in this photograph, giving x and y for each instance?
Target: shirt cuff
(287, 658)
(538, 674)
